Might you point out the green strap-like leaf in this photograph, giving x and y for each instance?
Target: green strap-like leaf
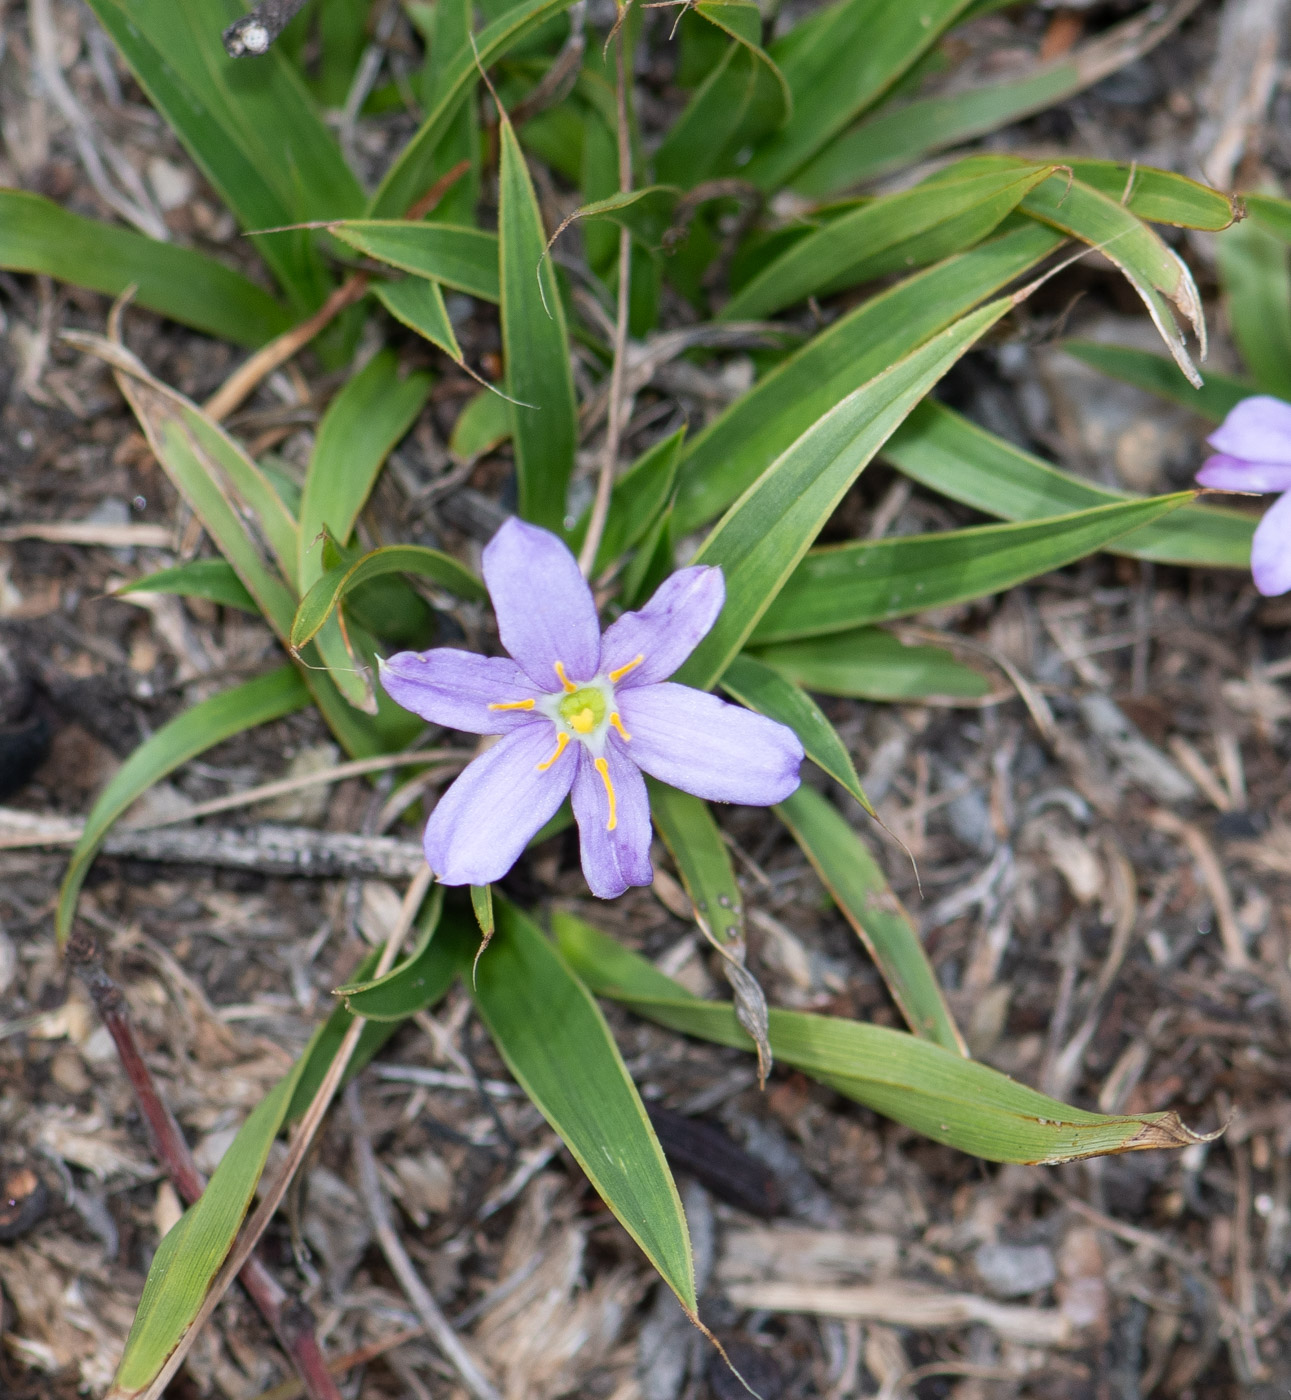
(212, 579)
(850, 585)
(1159, 196)
(184, 737)
(931, 1089)
(464, 258)
(637, 500)
(37, 236)
(556, 1043)
(535, 347)
(732, 452)
(759, 542)
(695, 843)
(419, 304)
(1213, 401)
(1271, 213)
(1255, 272)
(941, 449)
(770, 692)
(866, 900)
(867, 663)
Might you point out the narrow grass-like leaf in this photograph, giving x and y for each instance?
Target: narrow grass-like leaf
(936, 1092)
(212, 579)
(463, 258)
(419, 979)
(535, 347)
(483, 424)
(1162, 377)
(850, 585)
(418, 303)
(770, 692)
(1255, 272)
(695, 843)
(1271, 213)
(188, 734)
(733, 451)
(556, 1043)
(887, 234)
(868, 663)
(941, 449)
(636, 502)
(866, 900)
(1159, 196)
(761, 539)
(249, 124)
(335, 585)
(36, 235)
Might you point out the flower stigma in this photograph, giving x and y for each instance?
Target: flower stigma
(583, 710)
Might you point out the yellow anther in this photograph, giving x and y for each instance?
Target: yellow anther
(513, 705)
(569, 685)
(561, 740)
(618, 724)
(584, 721)
(603, 769)
(619, 672)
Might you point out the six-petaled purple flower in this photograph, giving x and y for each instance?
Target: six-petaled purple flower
(1253, 453)
(584, 715)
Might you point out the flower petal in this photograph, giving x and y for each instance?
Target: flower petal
(544, 607)
(456, 688)
(1225, 473)
(1257, 430)
(670, 626)
(1271, 550)
(612, 860)
(702, 745)
(488, 816)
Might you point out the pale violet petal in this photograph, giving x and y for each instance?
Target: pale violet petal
(488, 816)
(612, 860)
(1257, 430)
(1271, 550)
(1224, 473)
(544, 608)
(456, 688)
(670, 626)
(700, 744)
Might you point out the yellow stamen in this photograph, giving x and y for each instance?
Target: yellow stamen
(603, 769)
(584, 721)
(513, 705)
(569, 685)
(618, 724)
(620, 671)
(561, 740)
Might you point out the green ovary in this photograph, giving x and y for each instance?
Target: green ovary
(584, 710)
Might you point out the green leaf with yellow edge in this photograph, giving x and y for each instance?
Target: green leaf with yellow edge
(463, 258)
(941, 449)
(935, 1091)
(188, 734)
(212, 579)
(1271, 213)
(850, 585)
(419, 304)
(36, 235)
(760, 541)
(483, 424)
(535, 345)
(1255, 274)
(865, 899)
(556, 1043)
(770, 692)
(419, 979)
(867, 663)
(1159, 196)
(637, 500)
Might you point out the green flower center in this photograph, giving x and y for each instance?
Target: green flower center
(583, 710)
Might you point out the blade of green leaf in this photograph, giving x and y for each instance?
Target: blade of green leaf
(483, 424)
(331, 590)
(759, 542)
(212, 579)
(1255, 273)
(464, 258)
(637, 500)
(36, 235)
(544, 1022)
(250, 125)
(868, 663)
(936, 1092)
(1271, 213)
(414, 171)
(535, 347)
(418, 980)
(730, 454)
(850, 585)
(770, 692)
(419, 304)
(888, 234)
(1159, 196)
(1162, 377)
(188, 734)
(941, 449)
(865, 899)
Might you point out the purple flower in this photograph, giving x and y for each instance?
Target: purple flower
(583, 713)
(1254, 454)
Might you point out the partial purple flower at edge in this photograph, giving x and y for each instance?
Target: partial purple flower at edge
(1253, 454)
(582, 714)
